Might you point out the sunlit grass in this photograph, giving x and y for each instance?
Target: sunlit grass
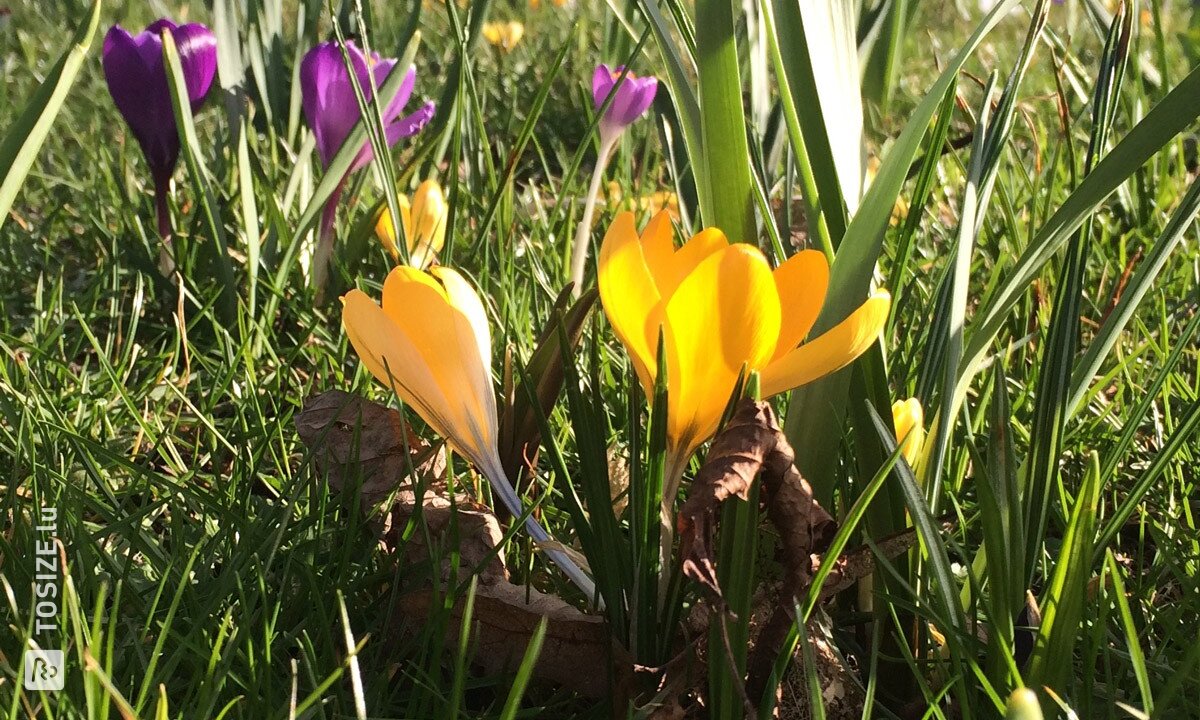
(212, 569)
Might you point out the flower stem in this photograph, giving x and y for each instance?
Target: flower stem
(580, 248)
(323, 255)
(166, 262)
(677, 463)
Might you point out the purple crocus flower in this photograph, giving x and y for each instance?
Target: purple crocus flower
(633, 97)
(137, 81)
(331, 107)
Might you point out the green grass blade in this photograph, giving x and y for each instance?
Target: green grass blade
(854, 264)
(811, 141)
(1062, 338)
(25, 136)
(850, 275)
(524, 672)
(1168, 118)
(1178, 227)
(1180, 440)
(1062, 602)
(1133, 639)
(944, 585)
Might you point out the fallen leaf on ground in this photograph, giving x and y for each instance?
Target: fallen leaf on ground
(354, 438)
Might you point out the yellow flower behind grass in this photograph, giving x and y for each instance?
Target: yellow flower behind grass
(423, 220)
(909, 420)
(504, 36)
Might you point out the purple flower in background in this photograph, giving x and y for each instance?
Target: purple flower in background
(331, 107)
(634, 96)
(137, 81)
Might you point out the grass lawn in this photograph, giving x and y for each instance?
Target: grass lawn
(1002, 206)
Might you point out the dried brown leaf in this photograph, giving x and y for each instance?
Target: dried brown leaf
(752, 442)
(353, 437)
(734, 460)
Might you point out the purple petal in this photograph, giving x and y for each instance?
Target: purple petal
(328, 98)
(198, 58)
(412, 124)
(330, 104)
(381, 71)
(402, 128)
(602, 84)
(149, 41)
(634, 97)
(138, 87)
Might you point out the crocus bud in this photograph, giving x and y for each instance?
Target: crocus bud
(1023, 705)
(909, 420)
(424, 223)
(634, 96)
(137, 81)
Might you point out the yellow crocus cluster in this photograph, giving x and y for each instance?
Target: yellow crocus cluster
(721, 311)
(503, 35)
(423, 220)
(718, 306)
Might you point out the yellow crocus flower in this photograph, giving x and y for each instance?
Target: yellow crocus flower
(503, 35)
(909, 420)
(720, 309)
(430, 342)
(424, 222)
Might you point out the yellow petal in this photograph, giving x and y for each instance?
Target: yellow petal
(683, 261)
(658, 245)
(801, 281)
(629, 296)
(427, 221)
(457, 356)
(724, 316)
(390, 355)
(832, 351)
(385, 229)
(909, 420)
(462, 296)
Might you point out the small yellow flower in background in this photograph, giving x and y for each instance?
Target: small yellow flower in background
(424, 222)
(503, 35)
(431, 344)
(535, 4)
(909, 420)
(653, 203)
(720, 308)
